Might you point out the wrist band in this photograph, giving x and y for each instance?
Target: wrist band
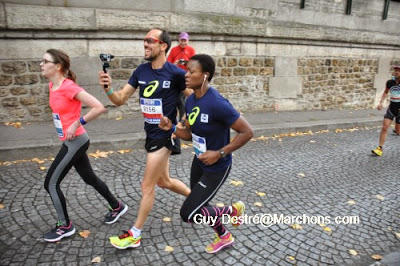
(82, 121)
(110, 92)
(173, 128)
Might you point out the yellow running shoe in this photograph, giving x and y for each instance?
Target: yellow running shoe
(220, 243)
(239, 207)
(378, 151)
(125, 241)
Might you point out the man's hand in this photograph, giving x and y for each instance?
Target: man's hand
(380, 106)
(104, 79)
(165, 123)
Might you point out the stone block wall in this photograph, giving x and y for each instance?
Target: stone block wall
(23, 92)
(337, 82)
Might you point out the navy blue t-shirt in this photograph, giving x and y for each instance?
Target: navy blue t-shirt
(210, 119)
(159, 95)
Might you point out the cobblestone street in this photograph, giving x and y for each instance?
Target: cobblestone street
(326, 174)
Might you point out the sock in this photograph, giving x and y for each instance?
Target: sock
(225, 236)
(135, 232)
(380, 147)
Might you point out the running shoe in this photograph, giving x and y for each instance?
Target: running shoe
(113, 215)
(59, 232)
(239, 207)
(395, 133)
(378, 151)
(219, 243)
(125, 241)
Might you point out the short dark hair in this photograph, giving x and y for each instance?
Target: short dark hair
(206, 62)
(166, 38)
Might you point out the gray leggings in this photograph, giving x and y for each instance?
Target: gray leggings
(73, 153)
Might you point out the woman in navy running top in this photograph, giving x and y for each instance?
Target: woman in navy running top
(209, 120)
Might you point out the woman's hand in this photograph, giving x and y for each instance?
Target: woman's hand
(209, 157)
(165, 123)
(72, 130)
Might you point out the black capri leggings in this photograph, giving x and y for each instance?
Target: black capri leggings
(204, 186)
(73, 153)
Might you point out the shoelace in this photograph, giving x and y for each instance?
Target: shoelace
(124, 235)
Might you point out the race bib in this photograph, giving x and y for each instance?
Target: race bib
(199, 144)
(58, 125)
(152, 110)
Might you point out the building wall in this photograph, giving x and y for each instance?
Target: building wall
(270, 54)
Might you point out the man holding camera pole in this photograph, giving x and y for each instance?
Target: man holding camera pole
(160, 83)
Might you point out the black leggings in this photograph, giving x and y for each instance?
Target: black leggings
(204, 186)
(73, 153)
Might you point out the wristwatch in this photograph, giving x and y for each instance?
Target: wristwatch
(222, 152)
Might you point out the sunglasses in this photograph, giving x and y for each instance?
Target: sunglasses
(45, 61)
(151, 40)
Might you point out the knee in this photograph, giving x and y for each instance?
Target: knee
(164, 183)
(147, 189)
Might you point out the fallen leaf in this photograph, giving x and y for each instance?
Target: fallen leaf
(96, 259)
(118, 118)
(380, 197)
(42, 168)
(1, 206)
(100, 154)
(124, 151)
(338, 130)
(301, 174)
(236, 183)
(312, 141)
(279, 139)
(390, 228)
(166, 219)
(84, 233)
(183, 145)
(351, 202)
(253, 139)
(169, 249)
(376, 257)
(327, 229)
(220, 204)
(296, 226)
(261, 194)
(353, 252)
(398, 235)
(258, 204)
(291, 258)
(262, 138)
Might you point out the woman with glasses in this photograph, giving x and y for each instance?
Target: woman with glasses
(66, 99)
(209, 120)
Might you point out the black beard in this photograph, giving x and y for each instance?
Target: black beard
(150, 58)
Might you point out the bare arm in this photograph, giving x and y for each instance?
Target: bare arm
(383, 98)
(181, 132)
(245, 133)
(96, 109)
(117, 97)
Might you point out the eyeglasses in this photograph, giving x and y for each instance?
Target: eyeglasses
(151, 40)
(45, 61)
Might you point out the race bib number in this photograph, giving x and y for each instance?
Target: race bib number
(58, 125)
(152, 110)
(199, 144)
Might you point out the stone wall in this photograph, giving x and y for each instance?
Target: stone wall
(270, 54)
(23, 92)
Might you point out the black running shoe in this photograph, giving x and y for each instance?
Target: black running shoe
(114, 214)
(395, 133)
(59, 232)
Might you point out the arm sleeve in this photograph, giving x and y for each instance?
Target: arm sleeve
(180, 79)
(225, 112)
(389, 84)
(72, 90)
(134, 80)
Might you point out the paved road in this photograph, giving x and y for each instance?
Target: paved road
(334, 168)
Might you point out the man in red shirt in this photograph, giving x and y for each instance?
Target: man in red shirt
(182, 53)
